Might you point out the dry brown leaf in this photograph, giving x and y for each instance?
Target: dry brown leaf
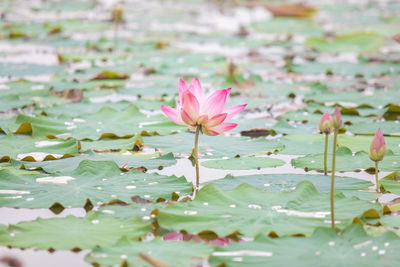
(73, 95)
(397, 37)
(110, 75)
(255, 133)
(291, 10)
(10, 261)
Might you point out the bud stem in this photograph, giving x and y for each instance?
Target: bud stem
(196, 155)
(333, 177)
(115, 35)
(376, 176)
(326, 154)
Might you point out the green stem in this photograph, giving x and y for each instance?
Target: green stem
(196, 155)
(376, 176)
(333, 178)
(115, 36)
(326, 154)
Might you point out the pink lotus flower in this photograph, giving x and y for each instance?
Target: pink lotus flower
(325, 124)
(377, 149)
(337, 118)
(195, 109)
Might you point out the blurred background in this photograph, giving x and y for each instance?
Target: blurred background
(269, 52)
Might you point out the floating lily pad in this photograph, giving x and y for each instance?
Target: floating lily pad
(346, 161)
(362, 143)
(212, 146)
(387, 127)
(103, 124)
(112, 144)
(353, 247)
(27, 70)
(131, 160)
(252, 211)
(137, 207)
(356, 42)
(72, 232)
(13, 101)
(389, 222)
(244, 163)
(348, 69)
(305, 116)
(174, 253)
(391, 182)
(354, 98)
(289, 25)
(284, 127)
(302, 144)
(35, 149)
(98, 181)
(279, 182)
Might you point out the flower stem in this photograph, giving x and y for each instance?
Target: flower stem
(326, 155)
(115, 36)
(376, 176)
(152, 261)
(333, 178)
(196, 155)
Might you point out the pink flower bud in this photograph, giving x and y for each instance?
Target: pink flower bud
(337, 118)
(377, 149)
(325, 124)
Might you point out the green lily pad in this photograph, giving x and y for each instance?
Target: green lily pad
(348, 69)
(245, 163)
(289, 25)
(24, 89)
(284, 127)
(324, 246)
(362, 143)
(103, 124)
(305, 116)
(387, 127)
(389, 222)
(391, 182)
(72, 232)
(355, 42)
(29, 148)
(173, 253)
(137, 207)
(279, 182)
(212, 146)
(112, 144)
(131, 159)
(346, 161)
(98, 181)
(302, 144)
(13, 101)
(252, 211)
(77, 109)
(27, 70)
(377, 99)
